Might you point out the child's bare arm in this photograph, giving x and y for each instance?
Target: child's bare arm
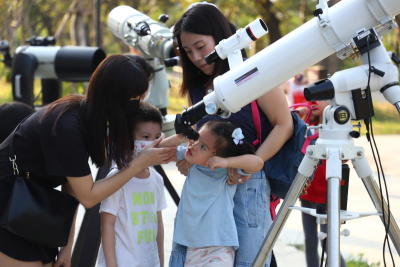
(174, 140)
(108, 238)
(160, 238)
(248, 163)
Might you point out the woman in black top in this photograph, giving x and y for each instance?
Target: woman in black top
(55, 143)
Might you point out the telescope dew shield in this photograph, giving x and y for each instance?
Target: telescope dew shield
(76, 64)
(68, 63)
(51, 64)
(22, 76)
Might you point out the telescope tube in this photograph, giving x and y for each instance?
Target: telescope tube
(294, 52)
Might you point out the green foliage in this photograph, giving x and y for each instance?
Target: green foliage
(360, 261)
(299, 247)
(22, 19)
(386, 119)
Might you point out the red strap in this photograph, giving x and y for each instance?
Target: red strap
(310, 107)
(308, 141)
(255, 113)
(274, 202)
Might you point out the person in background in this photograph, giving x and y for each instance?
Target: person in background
(315, 194)
(132, 228)
(11, 114)
(197, 32)
(55, 143)
(296, 88)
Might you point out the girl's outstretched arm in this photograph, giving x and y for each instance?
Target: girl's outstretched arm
(248, 163)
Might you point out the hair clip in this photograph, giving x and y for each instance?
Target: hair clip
(237, 136)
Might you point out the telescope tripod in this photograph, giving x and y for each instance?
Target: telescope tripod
(333, 145)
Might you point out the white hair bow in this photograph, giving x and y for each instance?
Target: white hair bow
(237, 136)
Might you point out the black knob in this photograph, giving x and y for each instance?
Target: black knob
(163, 18)
(354, 134)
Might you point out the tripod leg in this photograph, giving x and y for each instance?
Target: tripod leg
(333, 176)
(306, 169)
(364, 172)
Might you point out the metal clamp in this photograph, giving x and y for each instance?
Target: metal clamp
(377, 10)
(14, 164)
(343, 50)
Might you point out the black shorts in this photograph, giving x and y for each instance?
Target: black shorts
(17, 247)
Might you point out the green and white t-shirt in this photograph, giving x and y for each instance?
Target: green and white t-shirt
(135, 205)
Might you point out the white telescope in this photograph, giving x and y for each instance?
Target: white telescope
(154, 41)
(152, 38)
(310, 43)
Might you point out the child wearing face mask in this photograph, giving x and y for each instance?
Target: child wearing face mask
(132, 230)
(204, 221)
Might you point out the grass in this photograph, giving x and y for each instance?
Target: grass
(5, 91)
(176, 103)
(352, 261)
(386, 119)
(360, 261)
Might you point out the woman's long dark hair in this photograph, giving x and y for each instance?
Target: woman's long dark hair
(202, 19)
(117, 79)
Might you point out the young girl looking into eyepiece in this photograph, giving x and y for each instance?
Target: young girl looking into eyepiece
(204, 221)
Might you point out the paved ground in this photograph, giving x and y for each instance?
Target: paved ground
(366, 234)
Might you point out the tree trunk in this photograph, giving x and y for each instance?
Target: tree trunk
(398, 36)
(77, 27)
(135, 4)
(303, 10)
(272, 21)
(67, 16)
(330, 64)
(16, 21)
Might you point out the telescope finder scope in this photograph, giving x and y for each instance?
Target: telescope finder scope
(241, 39)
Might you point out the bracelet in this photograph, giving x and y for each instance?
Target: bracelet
(242, 172)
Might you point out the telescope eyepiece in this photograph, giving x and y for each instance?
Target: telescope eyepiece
(163, 18)
(321, 90)
(212, 57)
(142, 28)
(172, 61)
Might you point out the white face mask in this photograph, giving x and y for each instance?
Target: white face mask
(140, 145)
(146, 95)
